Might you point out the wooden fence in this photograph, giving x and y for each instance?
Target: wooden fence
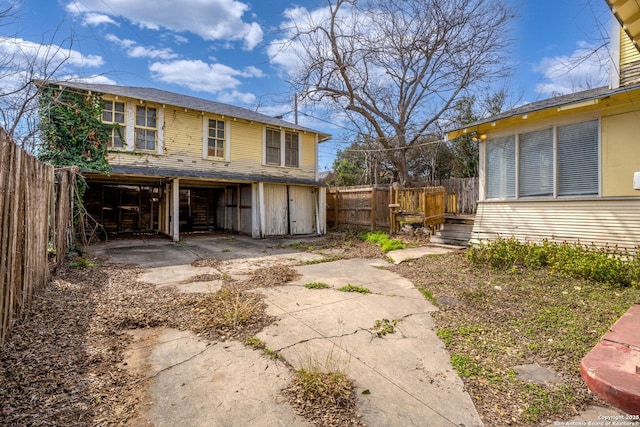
(363, 205)
(424, 206)
(382, 207)
(35, 216)
(464, 189)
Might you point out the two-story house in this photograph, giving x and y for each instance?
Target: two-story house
(563, 168)
(180, 163)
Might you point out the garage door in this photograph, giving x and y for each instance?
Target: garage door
(276, 217)
(301, 210)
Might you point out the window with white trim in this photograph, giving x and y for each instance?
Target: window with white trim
(113, 113)
(216, 138)
(282, 148)
(501, 168)
(272, 144)
(535, 157)
(146, 128)
(578, 159)
(554, 162)
(291, 149)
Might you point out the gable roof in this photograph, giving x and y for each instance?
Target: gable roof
(183, 101)
(573, 100)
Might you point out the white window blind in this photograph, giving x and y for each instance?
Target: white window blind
(578, 159)
(536, 163)
(501, 168)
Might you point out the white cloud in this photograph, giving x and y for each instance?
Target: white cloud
(285, 52)
(96, 78)
(199, 76)
(210, 19)
(26, 54)
(96, 19)
(234, 97)
(134, 51)
(180, 39)
(585, 68)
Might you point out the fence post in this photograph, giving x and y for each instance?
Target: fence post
(374, 204)
(337, 207)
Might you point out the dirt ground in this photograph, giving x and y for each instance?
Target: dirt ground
(66, 361)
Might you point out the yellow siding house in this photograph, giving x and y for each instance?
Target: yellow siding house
(563, 169)
(181, 164)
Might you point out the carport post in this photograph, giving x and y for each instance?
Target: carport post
(175, 209)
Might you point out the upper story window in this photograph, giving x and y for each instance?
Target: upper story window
(291, 149)
(216, 139)
(146, 128)
(113, 112)
(282, 148)
(553, 162)
(273, 146)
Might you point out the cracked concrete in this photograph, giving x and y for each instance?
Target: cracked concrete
(408, 373)
(190, 382)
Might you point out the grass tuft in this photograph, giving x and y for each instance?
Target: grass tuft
(316, 285)
(352, 288)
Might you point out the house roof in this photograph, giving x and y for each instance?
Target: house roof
(184, 101)
(560, 103)
(627, 12)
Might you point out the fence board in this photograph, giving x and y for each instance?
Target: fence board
(368, 206)
(26, 204)
(465, 190)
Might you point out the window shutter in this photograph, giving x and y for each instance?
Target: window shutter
(536, 163)
(578, 159)
(501, 168)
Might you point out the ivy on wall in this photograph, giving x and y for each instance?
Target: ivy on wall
(71, 129)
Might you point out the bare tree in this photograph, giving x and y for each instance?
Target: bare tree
(21, 62)
(397, 67)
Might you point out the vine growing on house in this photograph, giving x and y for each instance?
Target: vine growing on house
(71, 129)
(72, 135)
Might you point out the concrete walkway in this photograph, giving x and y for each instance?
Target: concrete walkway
(407, 373)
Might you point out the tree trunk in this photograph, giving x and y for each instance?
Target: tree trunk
(401, 171)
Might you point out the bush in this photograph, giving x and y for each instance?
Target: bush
(606, 265)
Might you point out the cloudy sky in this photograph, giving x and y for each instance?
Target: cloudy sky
(222, 49)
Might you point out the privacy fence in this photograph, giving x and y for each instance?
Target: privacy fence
(374, 206)
(36, 224)
(465, 190)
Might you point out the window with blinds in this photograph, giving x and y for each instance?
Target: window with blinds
(536, 163)
(575, 161)
(578, 159)
(501, 168)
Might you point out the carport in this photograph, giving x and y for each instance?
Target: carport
(137, 204)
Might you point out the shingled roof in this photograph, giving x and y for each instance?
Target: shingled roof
(183, 101)
(555, 102)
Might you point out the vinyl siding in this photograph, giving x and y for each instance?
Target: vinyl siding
(598, 221)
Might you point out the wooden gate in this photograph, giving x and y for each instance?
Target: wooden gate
(416, 205)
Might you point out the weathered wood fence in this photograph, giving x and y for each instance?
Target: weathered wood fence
(35, 218)
(368, 206)
(464, 189)
(424, 206)
(362, 205)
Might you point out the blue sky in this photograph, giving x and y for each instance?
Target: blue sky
(219, 49)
